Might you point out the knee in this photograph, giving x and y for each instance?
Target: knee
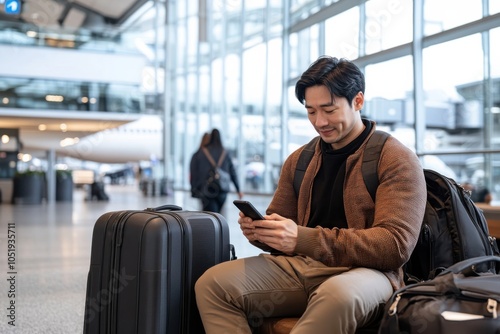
(206, 283)
(339, 296)
(214, 283)
(354, 297)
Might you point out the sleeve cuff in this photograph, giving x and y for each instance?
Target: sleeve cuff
(307, 239)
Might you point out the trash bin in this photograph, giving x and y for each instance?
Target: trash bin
(64, 186)
(28, 188)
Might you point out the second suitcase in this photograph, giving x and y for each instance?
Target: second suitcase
(143, 267)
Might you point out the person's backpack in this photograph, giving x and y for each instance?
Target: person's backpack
(453, 228)
(218, 179)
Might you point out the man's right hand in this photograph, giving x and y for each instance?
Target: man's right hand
(274, 231)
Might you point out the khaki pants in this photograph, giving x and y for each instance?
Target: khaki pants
(237, 295)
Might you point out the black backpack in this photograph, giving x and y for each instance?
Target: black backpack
(453, 229)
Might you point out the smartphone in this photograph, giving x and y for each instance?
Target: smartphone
(248, 209)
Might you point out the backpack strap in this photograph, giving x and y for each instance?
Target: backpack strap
(368, 167)
(221, 159)
(304, 159)
(211, 160)
(209, 156)
(371, 157)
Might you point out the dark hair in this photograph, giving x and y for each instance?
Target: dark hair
(205, 140)
(340, 76)
(215, 140)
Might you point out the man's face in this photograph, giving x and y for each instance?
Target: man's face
(337, 122)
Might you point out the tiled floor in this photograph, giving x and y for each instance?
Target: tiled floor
(52, 251)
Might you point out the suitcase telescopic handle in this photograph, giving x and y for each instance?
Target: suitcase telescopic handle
(166, 207)
(468, 267)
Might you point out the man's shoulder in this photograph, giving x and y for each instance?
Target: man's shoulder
(290, 163)
(392, 143)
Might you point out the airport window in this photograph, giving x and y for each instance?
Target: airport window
(203, 94)
(181, 40)
(314, 43)
(230, 65)
(304, 49)
(495, 62)
(254, 74)
(192, 44)
(275, 73)
(453, 74)
(342, 35)
(458, 117)
(216, 86)
(301, 9)
(70, 95)
(254, 25)
(293, 41)
(458, 12)
(494, 7)
(388, 24)
(388, 97)
(493, 86)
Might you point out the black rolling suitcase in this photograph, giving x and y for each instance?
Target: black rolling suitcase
(143, 267)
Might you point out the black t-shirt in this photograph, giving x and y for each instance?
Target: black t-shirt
(327, 206)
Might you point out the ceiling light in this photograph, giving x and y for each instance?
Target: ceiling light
(69, 141)
(24, 157)
(42, 127)
(54, 98)
(63, 127)
(5, 139)
(5, 100)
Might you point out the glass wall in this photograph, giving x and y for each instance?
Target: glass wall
(342, 34)
(232, 65)
(43, 94)
(388, 23)
(432, 80)
(458, 12)
(388, 97)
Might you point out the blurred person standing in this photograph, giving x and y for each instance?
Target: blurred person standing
(205, 139)
(482, 195)
(212, 199)
(478, 194)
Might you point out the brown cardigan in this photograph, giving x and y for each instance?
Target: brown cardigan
(380, 236)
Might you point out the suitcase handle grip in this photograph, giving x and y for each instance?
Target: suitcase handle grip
(166, 207)
(468, 267)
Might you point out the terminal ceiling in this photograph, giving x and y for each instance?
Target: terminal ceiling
(81, 18)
